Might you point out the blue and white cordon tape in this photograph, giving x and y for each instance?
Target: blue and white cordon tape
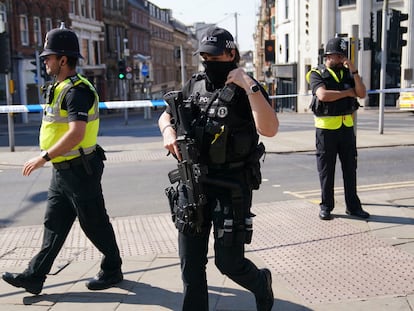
(102, 105)
(158, 102)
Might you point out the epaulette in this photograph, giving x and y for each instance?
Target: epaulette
(199, 76)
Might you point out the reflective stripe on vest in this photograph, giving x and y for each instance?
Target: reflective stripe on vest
(334, 123)
(55, 121)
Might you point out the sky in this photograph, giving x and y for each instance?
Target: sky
(220, 12)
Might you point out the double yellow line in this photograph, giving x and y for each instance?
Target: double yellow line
(307, 194)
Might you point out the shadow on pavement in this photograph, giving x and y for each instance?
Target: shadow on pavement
(33, 199)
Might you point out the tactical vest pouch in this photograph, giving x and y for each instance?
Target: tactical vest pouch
(318, 108)
(254, 174)
(217, 151)
(100, 152)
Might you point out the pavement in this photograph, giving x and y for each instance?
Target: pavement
(342, 264)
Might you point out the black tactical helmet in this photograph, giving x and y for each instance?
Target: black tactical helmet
(336, 46)
(61, 41)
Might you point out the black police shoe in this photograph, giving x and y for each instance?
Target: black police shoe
(325, 215)
(30, 284)
(266, 302)
(358, 213)
(104, 280)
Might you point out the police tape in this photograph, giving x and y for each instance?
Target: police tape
(102, 105)
(393, 90)
(160, 102)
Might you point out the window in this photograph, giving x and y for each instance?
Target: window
(72, 7)
(287, 48)
(346, 2)
(37, 31)
(49, 24)
(287, 9)
(92, 7)
(3, 13)
(82, 8)
(24, 31)
(85, 52)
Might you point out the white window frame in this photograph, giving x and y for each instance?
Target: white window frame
(24, 30)
(48, 24)
(92, 9)
(72, 7)
(83, 8)
(37, 30)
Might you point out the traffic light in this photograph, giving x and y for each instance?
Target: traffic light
(43, 72)
(5, 61)
(402, 29)
(270, 51)
(121, 69)
(34, 63)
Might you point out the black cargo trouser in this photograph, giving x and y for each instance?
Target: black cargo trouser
(329, 145)
(230, 260)
(73, 193)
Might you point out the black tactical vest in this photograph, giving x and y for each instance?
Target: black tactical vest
(341, 106)
(228, 130)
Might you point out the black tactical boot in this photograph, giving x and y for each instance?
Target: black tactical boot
(31, 284)
(265, 303)
(104, 280)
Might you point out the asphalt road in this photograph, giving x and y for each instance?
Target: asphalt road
(135, 188)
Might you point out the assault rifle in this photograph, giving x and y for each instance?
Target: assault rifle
(188, 212)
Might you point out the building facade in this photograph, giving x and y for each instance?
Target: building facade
(27, 25)
(86, 19)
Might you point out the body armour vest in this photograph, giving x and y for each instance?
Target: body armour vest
(332, 81)
(55, 120)
(225, 121)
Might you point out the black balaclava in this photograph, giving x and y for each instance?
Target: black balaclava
(217, 72)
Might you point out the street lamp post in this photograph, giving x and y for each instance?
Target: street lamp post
(124, 92)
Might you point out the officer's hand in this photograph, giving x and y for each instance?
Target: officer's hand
(170, 142)
(348, 64)
(32, 165)
(238, 76)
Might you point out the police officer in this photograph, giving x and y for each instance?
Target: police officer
(230, 154)
(68, 138)
(335, 86)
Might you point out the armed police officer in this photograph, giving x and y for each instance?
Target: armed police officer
(335, 86)
(68, 139)
(220, 112)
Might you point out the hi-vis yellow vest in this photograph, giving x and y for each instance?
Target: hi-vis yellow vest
(331, 122)
(55, 121)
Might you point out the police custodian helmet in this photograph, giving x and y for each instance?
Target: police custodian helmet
(61, 41)
(336, 46)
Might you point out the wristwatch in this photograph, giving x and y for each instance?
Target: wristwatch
(253, 89)
(45, 155)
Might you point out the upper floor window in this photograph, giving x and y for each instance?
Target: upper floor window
(92, 8)
(346, 2)
(37, 31)
(24, 30)
(49, 24)
(72, 7)
(286, 9)
(82, 4)
(3, 13)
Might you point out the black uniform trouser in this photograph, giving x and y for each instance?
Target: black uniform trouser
(230, 260)
(73, 193)
(329, 144)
